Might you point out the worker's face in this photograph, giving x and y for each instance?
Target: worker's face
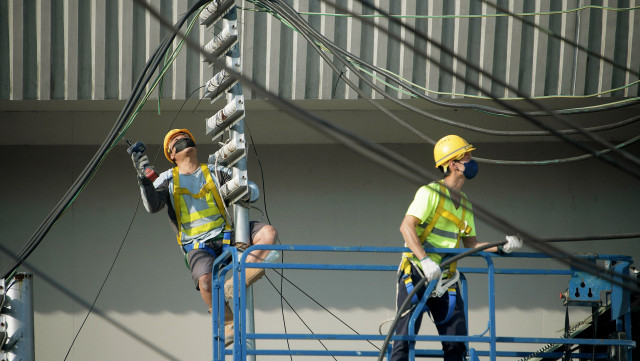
(467, 166)
(174, 140)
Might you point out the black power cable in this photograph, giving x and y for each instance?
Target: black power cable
(121, 245)
(403, 83)
(308, 31)
(420, 284)
(470, 65)
(401, 166)
(541, 246)
(563, 39)
(93, 164)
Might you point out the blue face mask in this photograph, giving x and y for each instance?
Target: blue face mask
(470, 169)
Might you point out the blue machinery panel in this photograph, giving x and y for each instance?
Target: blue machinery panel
(583, 289)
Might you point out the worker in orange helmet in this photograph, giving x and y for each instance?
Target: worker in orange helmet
(440, 216)
(189, 192)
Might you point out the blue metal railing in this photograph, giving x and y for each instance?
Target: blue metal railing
(230, 260)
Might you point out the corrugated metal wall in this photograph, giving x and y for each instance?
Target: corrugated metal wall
(95, 49)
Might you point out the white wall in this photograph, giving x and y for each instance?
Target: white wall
(316, 194)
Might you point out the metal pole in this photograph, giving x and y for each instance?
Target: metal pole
(19, 318)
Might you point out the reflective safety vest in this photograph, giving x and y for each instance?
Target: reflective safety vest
(197, 222)
(463, 228)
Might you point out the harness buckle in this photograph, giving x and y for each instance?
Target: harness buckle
(443, 285)
(465, 228)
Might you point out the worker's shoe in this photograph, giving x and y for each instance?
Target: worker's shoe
(228, 324)
(252, 274)
(228, 333)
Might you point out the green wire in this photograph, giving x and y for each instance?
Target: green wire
(597, 7)
(168, 62)
(398, 77)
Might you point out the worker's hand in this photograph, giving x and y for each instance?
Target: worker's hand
(513, 242)
(140, 162)
(431, 269)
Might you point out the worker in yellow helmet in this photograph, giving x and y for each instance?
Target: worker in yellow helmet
(195, 209)
(437, 221)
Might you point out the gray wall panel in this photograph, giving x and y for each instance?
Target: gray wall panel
(66, 49)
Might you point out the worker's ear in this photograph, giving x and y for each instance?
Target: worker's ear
(452, 164)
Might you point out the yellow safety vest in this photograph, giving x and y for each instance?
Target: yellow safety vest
(461, 225)
(215, 206)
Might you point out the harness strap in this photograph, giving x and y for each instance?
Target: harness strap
(462, 225)
(452, 305)
(209, 187)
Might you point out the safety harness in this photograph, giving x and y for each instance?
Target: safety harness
(210, 193)
(452, 273)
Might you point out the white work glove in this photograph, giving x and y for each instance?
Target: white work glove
(431, 269)
(513, 242)
(140, 162)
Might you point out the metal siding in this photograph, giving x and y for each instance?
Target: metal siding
(95, 50)
(567, 51)
(30, 48)
(540, 40)
(152, 40)
(380, 46)
(43, 23)
(512, 59)
(433, 52)
(98, 9)
(487, 40)
(461, 45)
(299, 57)
(16, 47)
(633, 56)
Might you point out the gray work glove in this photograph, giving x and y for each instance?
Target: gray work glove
(513, 242)
(431, 269)
(140, 162)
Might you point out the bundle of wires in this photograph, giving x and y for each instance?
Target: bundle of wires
(116, 132)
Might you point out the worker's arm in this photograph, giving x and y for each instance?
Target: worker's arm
(472, 242)
(408, 231)
(513, 242)
(154, 198)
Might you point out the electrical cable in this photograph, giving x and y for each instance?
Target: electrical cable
(401, 166)
(299, 317)
(470, 65)
(323, 307)
(420, 284)
(300, 21)
(121, 246)
(91, 167)
(465, 16)
(563, 39)
(325, 42)
(266, 213)
(103, 282)
(592, 238)
(546, 248)
(77, 299)
(403, 82)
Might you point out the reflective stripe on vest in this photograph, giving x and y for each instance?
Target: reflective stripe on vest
(462, 226)
(194, 223)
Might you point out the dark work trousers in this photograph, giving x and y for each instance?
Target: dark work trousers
(453, 351)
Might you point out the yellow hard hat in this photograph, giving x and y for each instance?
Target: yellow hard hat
(167, 139)
(448, 148)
